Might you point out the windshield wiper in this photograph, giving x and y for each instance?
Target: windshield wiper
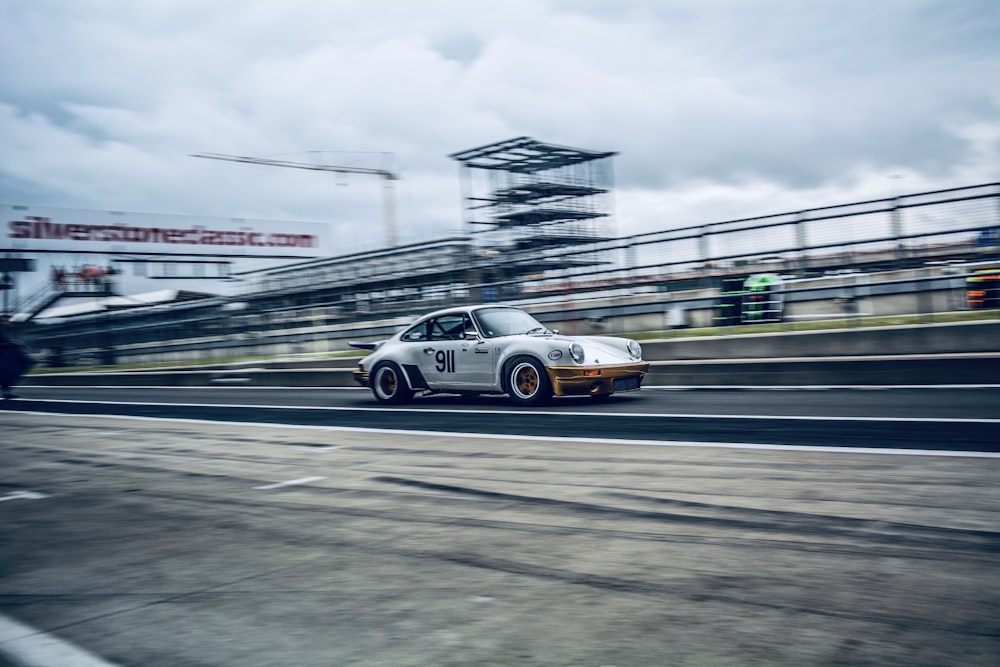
(537, 330)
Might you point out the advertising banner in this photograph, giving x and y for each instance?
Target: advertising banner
(39, 229)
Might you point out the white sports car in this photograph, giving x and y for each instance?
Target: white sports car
(497, 350)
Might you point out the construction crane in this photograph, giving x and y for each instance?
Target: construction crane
(388, 189)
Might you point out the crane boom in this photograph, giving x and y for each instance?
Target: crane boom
(388, 190)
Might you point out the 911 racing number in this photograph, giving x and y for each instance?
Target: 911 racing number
(445, 361)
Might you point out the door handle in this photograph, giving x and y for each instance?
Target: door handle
(428, 350)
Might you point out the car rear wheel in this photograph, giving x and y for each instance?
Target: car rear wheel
(527, 382)
(389, 385)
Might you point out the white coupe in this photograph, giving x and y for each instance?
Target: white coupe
(496, 350)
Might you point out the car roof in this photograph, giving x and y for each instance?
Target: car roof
(467, 309)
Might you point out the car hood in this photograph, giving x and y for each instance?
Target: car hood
(599, 349)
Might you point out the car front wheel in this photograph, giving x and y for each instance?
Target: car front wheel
(527, 382)
(389, 385)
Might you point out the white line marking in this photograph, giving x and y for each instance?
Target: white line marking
(677, 387)
(33, 648)
(536, 438)
(807, 387)
(291, 482)
(23, 495)
(207, 387)
(567, 413)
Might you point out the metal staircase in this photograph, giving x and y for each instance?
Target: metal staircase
(33, 304)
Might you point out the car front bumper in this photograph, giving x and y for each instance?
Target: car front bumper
(594, 380)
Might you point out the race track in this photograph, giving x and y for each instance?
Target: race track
(255, 527)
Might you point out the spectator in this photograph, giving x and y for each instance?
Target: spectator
(59, 278)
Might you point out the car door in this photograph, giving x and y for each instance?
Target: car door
(453, 357)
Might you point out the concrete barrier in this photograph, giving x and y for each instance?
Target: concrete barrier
(904, 370)
(950, 338)
(932, 354)
(951, 369)
(250, 377)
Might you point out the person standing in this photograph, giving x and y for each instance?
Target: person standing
(14, 361)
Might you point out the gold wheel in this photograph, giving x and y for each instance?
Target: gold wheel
(527, 382)
(389, 385)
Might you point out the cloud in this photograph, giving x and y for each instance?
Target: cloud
(718, 109)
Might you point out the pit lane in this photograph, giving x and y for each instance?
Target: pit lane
(162, 542)
(951, 419)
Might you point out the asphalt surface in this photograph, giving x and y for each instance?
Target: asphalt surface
(333, 540)
(890, 402)
(957, 419)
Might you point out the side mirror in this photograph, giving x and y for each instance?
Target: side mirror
(471, 335)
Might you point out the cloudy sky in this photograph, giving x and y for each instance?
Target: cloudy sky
(718, 108)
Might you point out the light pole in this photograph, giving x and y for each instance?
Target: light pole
(896, 219)
(894, 187)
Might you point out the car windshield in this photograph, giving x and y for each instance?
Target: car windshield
(494, 322)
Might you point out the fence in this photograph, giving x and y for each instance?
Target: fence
(954, 225)
(960, 225)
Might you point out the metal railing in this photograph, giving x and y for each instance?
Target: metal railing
(959, 225)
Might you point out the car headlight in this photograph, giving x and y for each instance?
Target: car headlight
(576, 351)
(634, 350)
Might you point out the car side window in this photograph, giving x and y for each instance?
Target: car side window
(417, 333)
(448, 327)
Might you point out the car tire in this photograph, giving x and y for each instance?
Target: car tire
(527, 382)
(389, 384)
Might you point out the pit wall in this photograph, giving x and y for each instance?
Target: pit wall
(933, 354)
(847, 297)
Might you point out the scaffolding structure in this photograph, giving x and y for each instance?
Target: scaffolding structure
(529, 195)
